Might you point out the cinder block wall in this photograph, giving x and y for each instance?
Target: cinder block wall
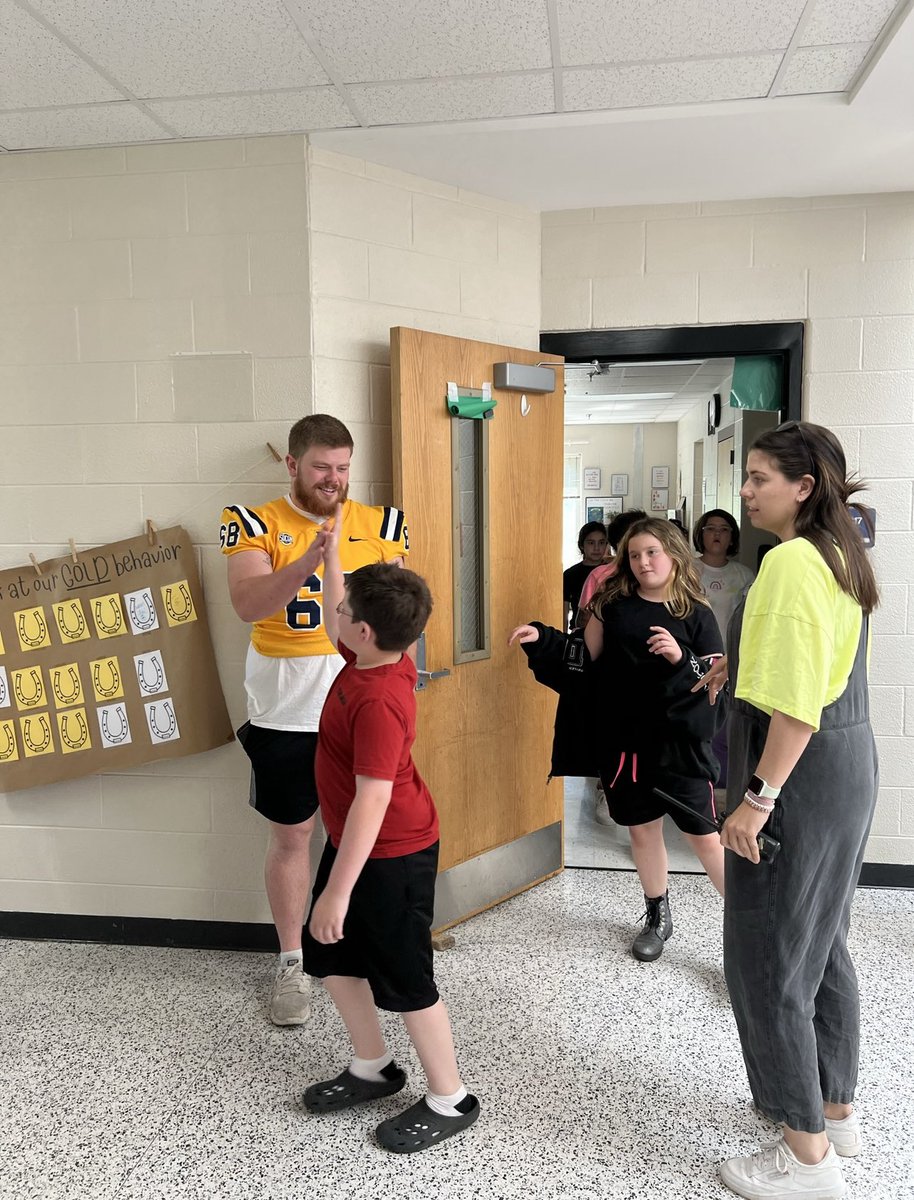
(156, 328)
(845, 265)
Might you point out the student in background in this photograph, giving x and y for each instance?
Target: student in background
(615, 531)
(716, 538)
(592, 544)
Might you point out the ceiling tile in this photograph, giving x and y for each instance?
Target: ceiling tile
(454, 99)
(592, 31)
(836, 21)
(371, 41)
(822, 69)
(243, 116)
(691, 82)
(91, 125)
(37, 70)
(172, 48)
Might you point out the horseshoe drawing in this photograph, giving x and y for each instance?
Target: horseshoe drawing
(163, 735)
(123, 732)
(81, 725)
(188, 609)
(142, 613)
(115, 685)
(9, 750)
(116, 613)
(36, 747)
(58, 690)
(37, 697)
(156, 685)
(75, 608)
(40, 625)
(3, 692)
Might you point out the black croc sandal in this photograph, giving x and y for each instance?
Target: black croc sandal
(347, 1089)
(420, 1127)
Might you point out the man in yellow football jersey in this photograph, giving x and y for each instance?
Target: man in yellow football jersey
(275, 579)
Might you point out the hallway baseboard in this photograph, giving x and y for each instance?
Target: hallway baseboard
(240, 935)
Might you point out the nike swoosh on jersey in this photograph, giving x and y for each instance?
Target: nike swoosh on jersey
(352, 539)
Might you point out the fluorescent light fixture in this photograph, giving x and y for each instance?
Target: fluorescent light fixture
(624, 396)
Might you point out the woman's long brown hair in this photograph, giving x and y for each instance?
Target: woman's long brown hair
(799, 448)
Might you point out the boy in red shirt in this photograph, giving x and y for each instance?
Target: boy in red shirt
(369, 931)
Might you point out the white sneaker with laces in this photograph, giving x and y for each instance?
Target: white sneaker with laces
(290, 1000)
(775, 1173)
(845, 1135)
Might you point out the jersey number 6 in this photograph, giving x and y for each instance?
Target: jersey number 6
(304, 612)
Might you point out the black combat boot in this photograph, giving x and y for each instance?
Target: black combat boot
(658, 927)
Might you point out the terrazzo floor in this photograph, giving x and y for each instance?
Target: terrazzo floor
(138, 1074)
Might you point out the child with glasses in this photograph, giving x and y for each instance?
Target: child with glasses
(369, 930)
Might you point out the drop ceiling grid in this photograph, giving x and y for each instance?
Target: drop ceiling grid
(198, 48)
(223, 68)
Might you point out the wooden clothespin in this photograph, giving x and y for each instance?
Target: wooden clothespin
(272, 449)
(72, 545)
(34, 562)
(151, 533)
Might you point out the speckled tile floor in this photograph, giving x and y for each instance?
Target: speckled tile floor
(154, 1074)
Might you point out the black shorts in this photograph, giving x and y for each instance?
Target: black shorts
(631, 800)
(387, 934)
(282, 772)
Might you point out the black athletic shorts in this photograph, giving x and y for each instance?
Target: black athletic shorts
(282, 772)
(630, 797)
(387, 934)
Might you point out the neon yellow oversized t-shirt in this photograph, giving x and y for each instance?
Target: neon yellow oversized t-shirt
(799, 637)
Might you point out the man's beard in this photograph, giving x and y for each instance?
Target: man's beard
(312, 500)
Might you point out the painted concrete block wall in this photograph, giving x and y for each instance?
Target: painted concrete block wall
(845, 266)
(156, 329)
(391, 249)
(154, 335)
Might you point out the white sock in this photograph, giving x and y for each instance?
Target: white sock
(446, 1106)
(370, 1068)
(287, 958)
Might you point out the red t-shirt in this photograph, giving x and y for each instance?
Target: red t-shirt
(367, 727)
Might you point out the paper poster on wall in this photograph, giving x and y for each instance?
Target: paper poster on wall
(106, 662)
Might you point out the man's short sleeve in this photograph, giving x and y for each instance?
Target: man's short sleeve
(394, 534)
(243, 529)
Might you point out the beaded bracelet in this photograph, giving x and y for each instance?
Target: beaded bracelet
(753, 801)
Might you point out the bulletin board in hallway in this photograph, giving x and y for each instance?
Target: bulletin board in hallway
(106, 662)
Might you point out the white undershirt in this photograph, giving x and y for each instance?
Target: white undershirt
(288, 693)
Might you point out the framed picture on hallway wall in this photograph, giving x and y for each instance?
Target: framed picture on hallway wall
(618, 485)
(602, 508)
(660, 477)
(660, 499)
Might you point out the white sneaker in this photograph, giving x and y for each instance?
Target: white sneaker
(290, 1000)
(845, 1135)
(775, 1173)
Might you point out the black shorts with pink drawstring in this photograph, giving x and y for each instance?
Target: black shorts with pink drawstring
(629, 780)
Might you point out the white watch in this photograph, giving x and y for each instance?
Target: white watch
(764, 791)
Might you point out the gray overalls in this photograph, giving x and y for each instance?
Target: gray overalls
(792, 983)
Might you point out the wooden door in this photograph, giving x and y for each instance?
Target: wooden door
(485, 730)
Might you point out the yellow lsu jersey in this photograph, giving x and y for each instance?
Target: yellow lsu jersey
(369, 535)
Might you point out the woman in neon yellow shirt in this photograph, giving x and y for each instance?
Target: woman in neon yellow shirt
(802, 756)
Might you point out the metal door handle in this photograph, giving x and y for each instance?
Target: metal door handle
(425, 678)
